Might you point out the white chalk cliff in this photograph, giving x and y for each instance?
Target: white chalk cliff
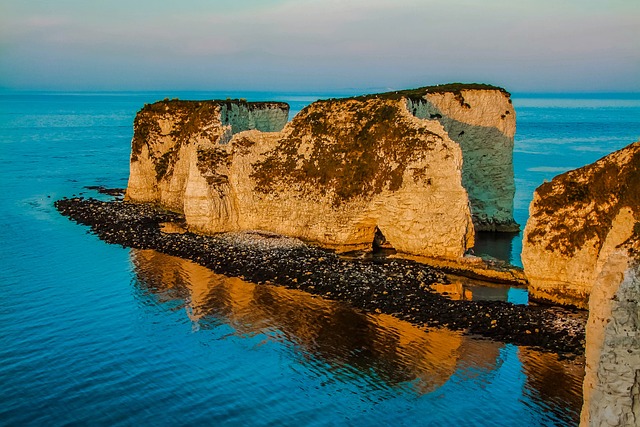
(612, 372)
(415, 165)
(483, 123)
(167, 135)
(576, 221)
(582, 247)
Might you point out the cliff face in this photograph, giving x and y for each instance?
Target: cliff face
(338, 172)
(612, 373)
(576, 221)
(483, 123)
(167, 135)
(582, 247)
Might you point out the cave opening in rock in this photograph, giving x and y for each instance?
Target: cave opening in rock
(380, 244)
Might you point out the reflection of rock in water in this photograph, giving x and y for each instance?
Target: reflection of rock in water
(454, 290)
(467, 289)
(330, 332)
(331, 337)
(558, 383)
(498, 245)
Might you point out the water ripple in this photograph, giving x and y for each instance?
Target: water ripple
(375, 357)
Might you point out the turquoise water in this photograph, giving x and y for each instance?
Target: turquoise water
(97, 334)
(557, 133)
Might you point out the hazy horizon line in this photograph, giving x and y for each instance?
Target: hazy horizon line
(345, 91)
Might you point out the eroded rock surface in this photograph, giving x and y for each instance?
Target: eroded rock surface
(576, 222)
(612, 377)
(340, 170)
(483, 122)
(582, 248)
(168, 135)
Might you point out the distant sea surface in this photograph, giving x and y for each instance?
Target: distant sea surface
(97, 334)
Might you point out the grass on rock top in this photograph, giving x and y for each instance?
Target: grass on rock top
(600, 189)
(190, 118)
(346, 148)
(419, 93)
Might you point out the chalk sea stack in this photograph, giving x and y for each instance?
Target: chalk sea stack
(169, 134)
(424, 167)
(582, 247)
(576, 221)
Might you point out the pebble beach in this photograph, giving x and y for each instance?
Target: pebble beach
(398, 287)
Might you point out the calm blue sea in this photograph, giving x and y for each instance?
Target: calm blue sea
(97, 334)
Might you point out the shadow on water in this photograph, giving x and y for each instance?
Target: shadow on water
(499, 245)
(344, 344)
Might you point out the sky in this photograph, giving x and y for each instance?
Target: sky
(319, 45)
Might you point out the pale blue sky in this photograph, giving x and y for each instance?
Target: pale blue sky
(319, 45)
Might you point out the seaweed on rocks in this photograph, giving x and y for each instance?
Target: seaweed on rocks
(397, 287)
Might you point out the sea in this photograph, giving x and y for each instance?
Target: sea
(98, 334)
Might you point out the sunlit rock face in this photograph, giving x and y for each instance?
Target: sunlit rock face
(340, 170)
(576, 221)
(612, 381)
(582, 247)
(168, 135)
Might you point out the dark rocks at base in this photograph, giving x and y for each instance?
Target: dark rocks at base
(396, 287)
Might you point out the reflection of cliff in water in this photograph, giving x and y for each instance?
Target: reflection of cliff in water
(554, 381)
(325, 332)
(333, 338)
(495, 244)
(469, 289)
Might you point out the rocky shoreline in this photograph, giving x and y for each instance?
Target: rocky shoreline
(393, 286)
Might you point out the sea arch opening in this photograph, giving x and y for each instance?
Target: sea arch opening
(380, 245)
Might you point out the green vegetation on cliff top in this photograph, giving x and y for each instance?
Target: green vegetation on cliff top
(175, 103)
(419, 93)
